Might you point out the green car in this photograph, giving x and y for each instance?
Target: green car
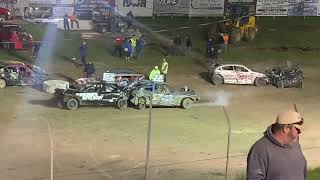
(162, 96)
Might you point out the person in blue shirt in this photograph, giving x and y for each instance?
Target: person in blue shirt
(66, 22)
(141, 44)
(84, 53)
(127, 49)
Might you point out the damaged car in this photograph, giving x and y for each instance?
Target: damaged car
(236, 74)
(162, 96)
(99, 93)
(283, 77)
(19, 74)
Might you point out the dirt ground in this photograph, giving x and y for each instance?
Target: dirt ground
(106, 143)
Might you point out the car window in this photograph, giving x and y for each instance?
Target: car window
(163, 89)
(228, 68)
(241, 69)
(11, 69)
(89, 90)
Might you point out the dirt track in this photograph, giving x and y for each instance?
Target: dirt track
(93, 143)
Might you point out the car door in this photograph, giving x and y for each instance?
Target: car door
(90, 96)
(167, 98)
(229, 74)
(243, 75)
(157, 95)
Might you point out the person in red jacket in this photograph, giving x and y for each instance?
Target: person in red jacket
(118, 43)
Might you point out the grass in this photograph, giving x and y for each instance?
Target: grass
(313, 174)
(278, 40)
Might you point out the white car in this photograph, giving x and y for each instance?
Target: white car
(236, 74)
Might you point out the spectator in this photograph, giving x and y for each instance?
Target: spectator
(129, 19)
(118, 43)
(66, 22)
(209, 46)
(277, 155)
(127, 49)
(188, 45)
(89, 70)
(35, 50)
(141, 44)
(73, 19)
(84, 53)
(177, 45)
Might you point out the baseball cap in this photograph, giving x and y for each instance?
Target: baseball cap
(290, 117)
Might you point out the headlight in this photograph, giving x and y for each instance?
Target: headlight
(9, 13)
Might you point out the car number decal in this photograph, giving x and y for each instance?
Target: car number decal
(90, 96)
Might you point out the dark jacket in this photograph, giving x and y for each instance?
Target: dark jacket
(83, 50)
(269, 160)
(188, 42)
(90, 69)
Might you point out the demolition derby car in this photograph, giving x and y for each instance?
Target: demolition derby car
(235, 74)
(122, 76)
(17, 74)
(99, 93)
(282, 77)
(162, 95)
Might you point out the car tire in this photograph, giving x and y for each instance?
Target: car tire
(186, 103)
(72, 104)
(300, 85)
(122, 103)
(2, 18)
(259, 81)
(217, 80)
(280, 84)
(142, 104)
(3, 83)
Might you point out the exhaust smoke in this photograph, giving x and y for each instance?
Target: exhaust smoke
(219, 98)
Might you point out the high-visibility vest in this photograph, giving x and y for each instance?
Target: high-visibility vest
(165, 67)
(225, 38)
(133, 42)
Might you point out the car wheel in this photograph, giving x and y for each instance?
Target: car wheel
(280, 84)
(142, 104)
(187, 103)
(217, 80)
(260, 82)
(2, 18)
(3, 83)
(72, 104)
(122, 103)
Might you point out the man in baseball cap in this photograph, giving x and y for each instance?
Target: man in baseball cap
(277, 155)
(290, 118)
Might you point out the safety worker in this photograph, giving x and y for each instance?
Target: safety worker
(164, 69)
(154, 73)
(133, 41)
(225, 40)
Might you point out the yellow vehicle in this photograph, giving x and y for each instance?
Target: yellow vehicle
(243, 28)
(239, 24)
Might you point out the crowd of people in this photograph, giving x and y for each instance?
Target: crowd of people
(129, 47)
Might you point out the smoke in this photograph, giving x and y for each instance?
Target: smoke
(219, 98)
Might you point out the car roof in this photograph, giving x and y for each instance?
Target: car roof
(223, 65)
(122, 71)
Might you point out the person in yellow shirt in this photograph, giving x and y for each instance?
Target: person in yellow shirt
(155, 72)
(164, 69)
